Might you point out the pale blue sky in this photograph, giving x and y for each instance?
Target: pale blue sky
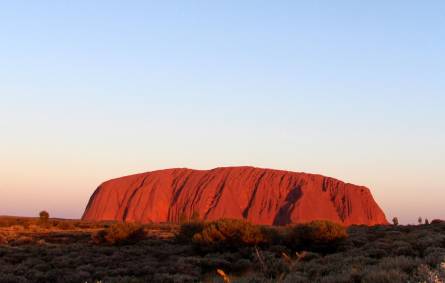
(91, 90)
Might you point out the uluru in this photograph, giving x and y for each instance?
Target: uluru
(261, 196)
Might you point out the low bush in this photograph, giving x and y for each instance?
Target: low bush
(119, 234)
(228, 233)
(274, 235)
(188, 230)
(318, 235)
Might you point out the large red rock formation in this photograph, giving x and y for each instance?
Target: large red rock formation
(262, 196)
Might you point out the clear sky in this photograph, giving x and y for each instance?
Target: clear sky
(91, 90)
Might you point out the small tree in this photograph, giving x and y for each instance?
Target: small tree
(419, 220)
(395, 221)
(44, 216)
(426, 221)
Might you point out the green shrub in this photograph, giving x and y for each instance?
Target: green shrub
(119, 234)
(318, 235)
(274, 235)
(228, 233)
(188, 230)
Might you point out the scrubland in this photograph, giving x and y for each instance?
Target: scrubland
(32, 250)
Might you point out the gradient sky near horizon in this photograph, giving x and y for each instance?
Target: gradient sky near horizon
(91, 90)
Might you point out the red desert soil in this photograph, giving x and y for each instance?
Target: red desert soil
(261, 196)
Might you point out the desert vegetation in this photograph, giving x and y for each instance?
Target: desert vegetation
(119, 234)
(220, 251)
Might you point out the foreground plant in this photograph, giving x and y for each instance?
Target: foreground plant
(228, 233)
(318, 235)
(119, 233)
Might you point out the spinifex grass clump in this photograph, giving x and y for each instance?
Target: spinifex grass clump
(228, 233)
(119, 234)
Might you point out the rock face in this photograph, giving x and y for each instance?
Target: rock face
(261, 196)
